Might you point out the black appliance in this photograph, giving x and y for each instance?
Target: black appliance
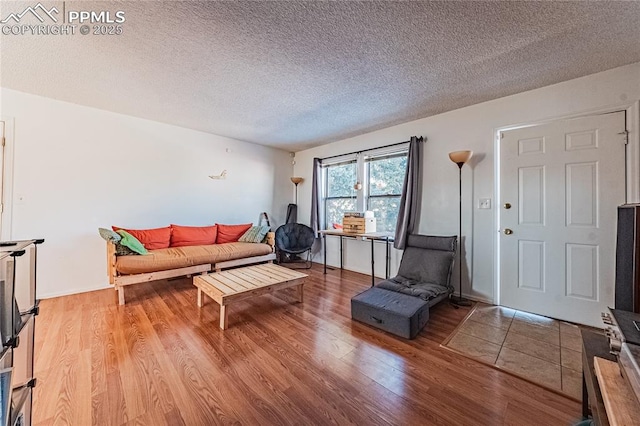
(627, 295)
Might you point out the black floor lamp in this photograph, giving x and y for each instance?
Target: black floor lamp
(460, 157)
(292, 209)
(296, 181)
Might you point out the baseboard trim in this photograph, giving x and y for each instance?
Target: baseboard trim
(478, 299)
(68, 292)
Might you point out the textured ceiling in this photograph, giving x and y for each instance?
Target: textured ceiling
(296, 74)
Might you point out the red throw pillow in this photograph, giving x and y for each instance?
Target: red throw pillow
(193, 235)
(231, 233)
(151, 239)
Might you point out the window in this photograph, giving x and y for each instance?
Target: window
(386, 177)
(381, 174)
(340, 195)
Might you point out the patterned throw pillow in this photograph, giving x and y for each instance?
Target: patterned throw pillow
(124, 251)
(131, 242)
(114, 237)
(109, 235)
(255, 234)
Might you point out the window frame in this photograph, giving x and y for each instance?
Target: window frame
(363, 175)
(325, 186)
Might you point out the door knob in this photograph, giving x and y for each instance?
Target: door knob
(508, 231)
(507, 206)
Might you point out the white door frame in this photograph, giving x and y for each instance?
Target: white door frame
(7, 178)
(632, 177)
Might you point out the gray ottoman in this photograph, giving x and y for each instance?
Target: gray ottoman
(390, 311)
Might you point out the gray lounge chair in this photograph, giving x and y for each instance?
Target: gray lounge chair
(400, 305)
(425, 268)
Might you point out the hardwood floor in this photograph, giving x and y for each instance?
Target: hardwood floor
(159, 360)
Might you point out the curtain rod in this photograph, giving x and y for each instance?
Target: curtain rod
(377, 147)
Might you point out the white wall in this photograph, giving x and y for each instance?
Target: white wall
(77, 168)
(475, 128)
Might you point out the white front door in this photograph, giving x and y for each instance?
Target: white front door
(560, 185)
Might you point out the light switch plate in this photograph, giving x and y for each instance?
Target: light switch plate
(484, 203)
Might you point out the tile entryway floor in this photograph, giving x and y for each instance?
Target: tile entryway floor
(543, 350)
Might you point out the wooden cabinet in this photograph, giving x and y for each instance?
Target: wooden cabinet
(593, 345)
(18, 311)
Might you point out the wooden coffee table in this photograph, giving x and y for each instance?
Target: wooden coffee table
(233, 285)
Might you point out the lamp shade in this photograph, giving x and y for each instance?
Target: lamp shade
(460, 157)
(296, 180)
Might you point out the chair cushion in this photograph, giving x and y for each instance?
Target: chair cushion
(181, 257)
(425, 291)
(426, 266)
(152, 239)
(193, 235)
(231, 233)
(432, 242)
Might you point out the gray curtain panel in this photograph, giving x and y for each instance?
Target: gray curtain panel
(315, 197)
(411, 192)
